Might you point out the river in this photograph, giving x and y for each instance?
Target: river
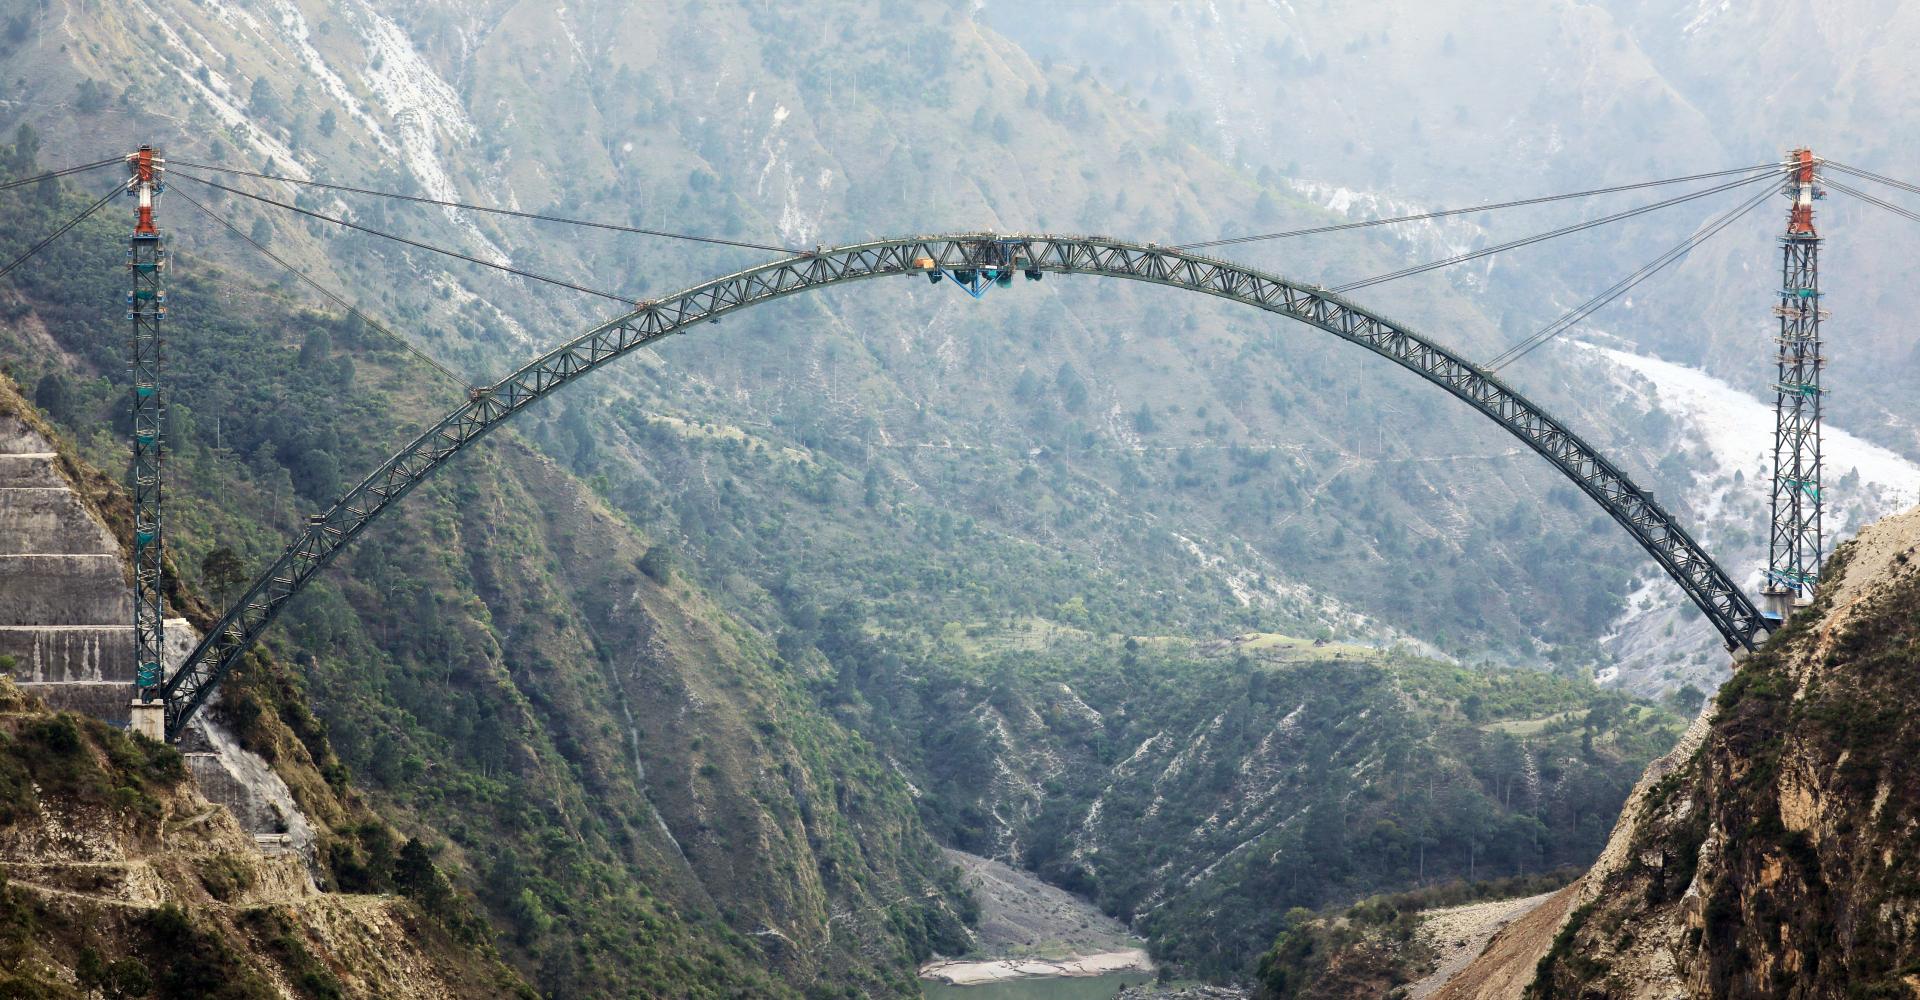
(1041, 988)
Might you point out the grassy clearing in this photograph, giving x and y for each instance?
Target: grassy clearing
(1531, 727)
(725, 432)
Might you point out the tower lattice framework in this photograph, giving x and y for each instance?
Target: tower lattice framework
(146, 307)
(1796, 549)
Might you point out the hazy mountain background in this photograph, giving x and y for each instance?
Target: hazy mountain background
(918, 516)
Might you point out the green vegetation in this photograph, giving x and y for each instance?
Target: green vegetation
(308, 974)
(84, 765)
(224, 876)
(1203, 790)
(492, 670)
(1374, 945)
(640, 786)
(188, 962)
(62, 756)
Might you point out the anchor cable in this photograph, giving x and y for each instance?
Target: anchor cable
(51, 174)
(1553, 234)
(56, 234)
(495, 210)
(1871, 200)
(508, 268)
(329, 293)
(1443, 213)
(1573, 317)
(1871, 176)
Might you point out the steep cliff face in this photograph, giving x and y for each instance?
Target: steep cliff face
(118, 879)
(1765, 856)
(1776, 861)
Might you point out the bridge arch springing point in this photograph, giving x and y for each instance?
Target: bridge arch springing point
(1703, 580)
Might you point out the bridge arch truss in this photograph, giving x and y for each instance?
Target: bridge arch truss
(1704, 581)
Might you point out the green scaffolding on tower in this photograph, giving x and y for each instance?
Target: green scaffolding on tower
(146, 307)
(1796, 547)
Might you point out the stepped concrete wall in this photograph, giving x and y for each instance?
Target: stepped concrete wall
(66, 611)
(67, 652)
(73, 588)
(66, 619)
(49, 520)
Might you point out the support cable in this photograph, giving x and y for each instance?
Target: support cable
(1871, 176)
(51, 174)
(508, 268)
(1443, 213)
(536, 216)
(329, 293)
(1904, 213)
(1562, 231)
(56, 234)
(1573, 317)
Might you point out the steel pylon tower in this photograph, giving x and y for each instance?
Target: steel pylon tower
(1793, 563)
(146, 307)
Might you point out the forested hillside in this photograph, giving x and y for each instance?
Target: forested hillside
(684, 675)
(1073, 439)
(634, 786)
(1201, 790)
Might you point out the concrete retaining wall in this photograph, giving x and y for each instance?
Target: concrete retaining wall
(29, 470)
(66, 618)
(64, 590)
(50, 520)
(69, 652)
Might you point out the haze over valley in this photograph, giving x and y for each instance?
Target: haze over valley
(1385, 619)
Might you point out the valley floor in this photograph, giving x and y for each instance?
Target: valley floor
(1028, 928)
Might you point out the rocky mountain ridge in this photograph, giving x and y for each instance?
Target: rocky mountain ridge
(117, 878)
(1772, 861)
(1764, 856)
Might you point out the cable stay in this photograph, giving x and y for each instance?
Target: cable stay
(508, 268)
(1871, 176)
(56, 234)
(1573, 317)
(1854, 192)
(1446, 212)
(51, 174)
(1554, 234)
(495, 210)
(329, 293)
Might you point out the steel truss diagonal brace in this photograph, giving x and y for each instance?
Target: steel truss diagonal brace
(1709, 586)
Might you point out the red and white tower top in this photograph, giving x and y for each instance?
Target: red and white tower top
(1800, 219)
(146, 180)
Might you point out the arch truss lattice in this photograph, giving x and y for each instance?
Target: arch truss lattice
(1726, 606)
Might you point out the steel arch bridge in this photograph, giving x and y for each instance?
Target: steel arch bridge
(967, 254)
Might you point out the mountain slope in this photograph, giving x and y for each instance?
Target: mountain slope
(120, 880)
(641, 797)
(1772, 863)
(1763, 857)
(1249, 452)
(1201, 790)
